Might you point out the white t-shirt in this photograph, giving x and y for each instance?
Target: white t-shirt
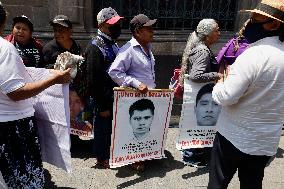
(13, 75)
(253, 99)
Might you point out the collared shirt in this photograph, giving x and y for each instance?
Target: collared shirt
(133, 66)
(253, 99)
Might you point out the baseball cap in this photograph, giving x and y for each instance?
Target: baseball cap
(108, 15)
(141, 20)
(23, 19)
(61, 20)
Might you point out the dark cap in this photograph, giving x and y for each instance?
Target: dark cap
(141, 20)
(61, 20)
(23, 19)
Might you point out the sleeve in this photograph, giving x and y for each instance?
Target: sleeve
(10, 71)
(242, 73)
(119, 68)
(200, 62)
(96, 76)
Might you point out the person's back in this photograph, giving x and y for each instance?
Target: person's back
(261, 105)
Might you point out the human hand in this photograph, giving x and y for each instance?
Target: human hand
(105, 114)
(221, 78)
(60, 77)
(143, 88)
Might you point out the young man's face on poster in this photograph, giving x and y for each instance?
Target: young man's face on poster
(141, 122)
(207, 111)
(75, 103)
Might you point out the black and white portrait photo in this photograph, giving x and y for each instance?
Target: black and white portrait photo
(141, 115)
(199, 116)
(140, 125)
(206, 110)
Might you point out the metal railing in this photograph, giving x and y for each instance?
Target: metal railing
(174, 14)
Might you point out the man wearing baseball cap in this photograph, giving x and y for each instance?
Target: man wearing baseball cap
(252, 96)
(99, 55)
(62, 42)
(134, 65)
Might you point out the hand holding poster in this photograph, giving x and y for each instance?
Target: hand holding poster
(199, 116)
(81, 105)
(140, 125)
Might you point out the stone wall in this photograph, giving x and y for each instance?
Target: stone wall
(167, 46)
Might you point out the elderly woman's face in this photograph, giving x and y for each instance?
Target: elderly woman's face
(22, 33)
(213, 37)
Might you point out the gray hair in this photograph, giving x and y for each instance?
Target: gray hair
(204, 28)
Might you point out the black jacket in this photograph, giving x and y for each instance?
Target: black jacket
(100, 84)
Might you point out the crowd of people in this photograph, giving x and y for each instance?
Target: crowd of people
(248, 71)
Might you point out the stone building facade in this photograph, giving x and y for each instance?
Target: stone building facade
(170, 36)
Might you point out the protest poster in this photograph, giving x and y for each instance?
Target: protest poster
(140, 125)
(81, 104)
(198, 117)
(81, 115)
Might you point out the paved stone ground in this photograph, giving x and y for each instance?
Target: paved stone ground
(159, 174)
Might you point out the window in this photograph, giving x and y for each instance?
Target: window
(174, 14)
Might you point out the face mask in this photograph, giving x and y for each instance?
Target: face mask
(115, 31)
(255, 31)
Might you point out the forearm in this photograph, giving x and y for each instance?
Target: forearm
(31, 89)
(204, 77)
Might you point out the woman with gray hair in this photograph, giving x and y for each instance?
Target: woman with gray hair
(199, 62)
(197, 59)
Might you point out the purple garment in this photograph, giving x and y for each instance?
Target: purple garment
(232, 50)
(133, 66)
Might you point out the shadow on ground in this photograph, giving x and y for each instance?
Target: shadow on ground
(153, 168)
(81, 148)
(49, 184)
(198, 172)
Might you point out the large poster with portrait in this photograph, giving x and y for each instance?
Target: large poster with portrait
(140, 124)
(82, 114)
(198, 117)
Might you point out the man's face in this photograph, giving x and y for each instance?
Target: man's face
(61, 33)
(75, 104)
(145, 34)
(207, 111)
(141, 121)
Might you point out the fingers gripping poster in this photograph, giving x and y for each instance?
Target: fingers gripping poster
(140, 125)
(198, 117)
